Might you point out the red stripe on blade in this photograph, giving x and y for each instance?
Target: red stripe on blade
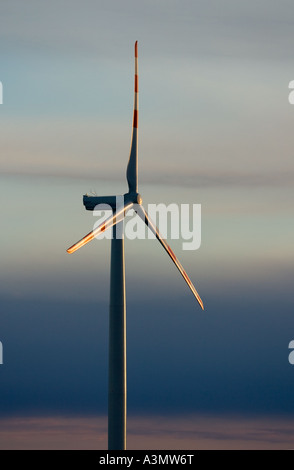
(136, 84)
(171, 253)
(135, 120)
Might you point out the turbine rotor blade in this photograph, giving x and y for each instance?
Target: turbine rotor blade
(115, 218)
(132, 169)
(144, 216)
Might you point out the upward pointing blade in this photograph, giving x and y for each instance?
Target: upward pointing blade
(144, 216)
(117, 216)
(132, 169)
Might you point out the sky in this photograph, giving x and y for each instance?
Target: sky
(215, 128)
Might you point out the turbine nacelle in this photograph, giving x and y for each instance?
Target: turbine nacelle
(90, 202)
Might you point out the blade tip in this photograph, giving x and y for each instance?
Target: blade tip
(200, 303)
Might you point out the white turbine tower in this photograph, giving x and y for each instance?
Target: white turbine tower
(117, 311)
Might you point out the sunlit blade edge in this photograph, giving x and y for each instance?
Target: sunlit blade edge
(112, 220)
(144, 216)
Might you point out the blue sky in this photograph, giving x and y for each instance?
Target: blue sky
(215, 128)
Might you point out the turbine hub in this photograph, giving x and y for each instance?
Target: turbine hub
(139, 199)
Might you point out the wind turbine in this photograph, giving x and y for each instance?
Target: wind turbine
(117, 311)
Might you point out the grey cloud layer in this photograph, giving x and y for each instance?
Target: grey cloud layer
(261, 29)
